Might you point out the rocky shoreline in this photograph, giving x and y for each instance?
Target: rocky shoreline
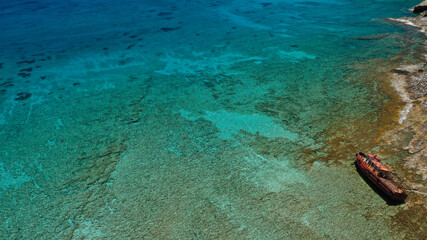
(410, 82)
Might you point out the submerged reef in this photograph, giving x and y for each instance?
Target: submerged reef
(142, 123)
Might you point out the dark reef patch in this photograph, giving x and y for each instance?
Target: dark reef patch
(402, 72)
(130, 46)
(160, 14)
(26, 61)
(22, 96)
(7, 84)
(168, 29)
(76, 83)
(26, 70)
(266, 4)
(24, 75)
(373, 37)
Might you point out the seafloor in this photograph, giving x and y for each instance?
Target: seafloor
(201, 119)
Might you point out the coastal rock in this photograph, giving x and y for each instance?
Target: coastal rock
(417, 85)
(420, 7)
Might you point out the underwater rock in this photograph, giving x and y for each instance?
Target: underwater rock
(26, 61)
(26, 70)
(7, 84)
(24, 75)
(22, 96)
(164, 14)
(130, 46)
(374, 37)
(168, 29)
(420, 7)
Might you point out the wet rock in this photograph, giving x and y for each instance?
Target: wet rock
(420, 7)
(399, 71)
(22, 96)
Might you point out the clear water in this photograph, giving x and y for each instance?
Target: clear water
(191, 119)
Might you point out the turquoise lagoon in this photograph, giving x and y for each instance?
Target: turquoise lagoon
(192, 119)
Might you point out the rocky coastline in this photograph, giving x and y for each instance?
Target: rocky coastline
(410, 81)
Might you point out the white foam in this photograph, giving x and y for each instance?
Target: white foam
(399, 84)
(407, 22)
(404, 112)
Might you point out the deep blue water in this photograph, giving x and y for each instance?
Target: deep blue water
(191, 119)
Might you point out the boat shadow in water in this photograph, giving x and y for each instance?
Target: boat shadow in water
(388, 200)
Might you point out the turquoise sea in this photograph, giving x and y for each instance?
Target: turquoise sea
(195, 119)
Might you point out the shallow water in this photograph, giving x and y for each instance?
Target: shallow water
(191, 119)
